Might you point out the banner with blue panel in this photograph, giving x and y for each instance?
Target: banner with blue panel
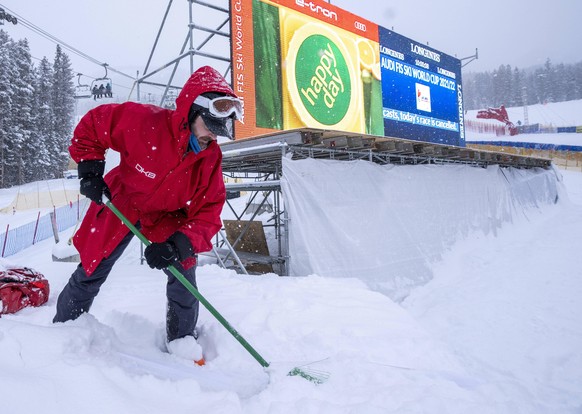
(421, 91)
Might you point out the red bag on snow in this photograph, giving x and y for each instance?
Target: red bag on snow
(22, 287)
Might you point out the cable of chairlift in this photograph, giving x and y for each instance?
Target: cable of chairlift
(29, 25)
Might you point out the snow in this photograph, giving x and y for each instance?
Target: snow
(496, 329)
(186, 348)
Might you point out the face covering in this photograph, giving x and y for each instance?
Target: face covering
(194, 146)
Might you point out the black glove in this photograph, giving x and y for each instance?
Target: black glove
(176, 248)
(92, 184)
(94, 188)
(160, 255)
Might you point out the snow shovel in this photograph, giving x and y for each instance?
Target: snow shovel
(313, 376)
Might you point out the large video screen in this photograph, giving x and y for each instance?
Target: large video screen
(300, 63)
(421, 91)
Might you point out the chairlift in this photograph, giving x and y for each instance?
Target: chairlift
(170, 99)
(102, 87)
(82, 90)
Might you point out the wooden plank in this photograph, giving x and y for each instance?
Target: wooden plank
(340, 141)
(252, 241)
(312, 138)
(454, 152)
(418, 148)
(404, 147)
(389, 146)
(432, 150)
(355, 142)
(368, 142)
(468, 154)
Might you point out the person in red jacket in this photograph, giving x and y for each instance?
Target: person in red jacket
(168, 183)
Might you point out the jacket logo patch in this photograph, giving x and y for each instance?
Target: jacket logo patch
(148, 174)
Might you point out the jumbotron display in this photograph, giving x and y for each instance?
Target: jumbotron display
(300, 63)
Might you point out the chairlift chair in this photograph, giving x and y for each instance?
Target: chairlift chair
(170, 99)
(82, 90)
(106, 83)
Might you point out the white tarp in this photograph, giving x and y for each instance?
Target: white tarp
(405, 216)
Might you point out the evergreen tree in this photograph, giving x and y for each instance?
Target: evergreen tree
(36, 114)
(22, 108)
(516, 89)
(531, 89)
(43, 134)
(63, 104)
(577, 80)
(549, 83)
(7, 70)
(469, 92)
(567, 87)
(506, 85)
(484, 89)
(496, 88)
(539, 86)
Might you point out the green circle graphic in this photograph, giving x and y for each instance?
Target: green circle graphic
(323, 79)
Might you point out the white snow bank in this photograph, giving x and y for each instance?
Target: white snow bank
(508, 312)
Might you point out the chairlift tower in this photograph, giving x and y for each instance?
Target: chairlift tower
(202, 49)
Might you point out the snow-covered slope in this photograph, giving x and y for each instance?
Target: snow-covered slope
(498, 330)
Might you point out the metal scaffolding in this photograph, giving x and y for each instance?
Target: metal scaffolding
(204, 49)
(258, 161)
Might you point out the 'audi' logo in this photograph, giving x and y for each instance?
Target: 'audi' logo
(360, 26)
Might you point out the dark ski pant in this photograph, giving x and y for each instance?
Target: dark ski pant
(77, 296)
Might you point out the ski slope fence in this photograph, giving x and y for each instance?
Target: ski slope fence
(500, 130)
(21, 237)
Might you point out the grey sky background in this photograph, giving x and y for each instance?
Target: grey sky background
(521, 33)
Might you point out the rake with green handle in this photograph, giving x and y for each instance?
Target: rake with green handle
(313, 376)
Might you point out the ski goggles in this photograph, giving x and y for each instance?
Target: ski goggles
(221, 107)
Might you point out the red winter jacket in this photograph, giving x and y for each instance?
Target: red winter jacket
(157, 182)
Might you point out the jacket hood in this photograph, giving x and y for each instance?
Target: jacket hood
(205, 79)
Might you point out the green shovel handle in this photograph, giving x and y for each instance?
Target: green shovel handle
(192, 289)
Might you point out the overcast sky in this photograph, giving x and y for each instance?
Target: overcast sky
(521, 33)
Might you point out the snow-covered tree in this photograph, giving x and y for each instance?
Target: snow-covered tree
(44, 121)
(516, 88)
(63, 104)
(7, 73)
(21, 127)
(36, 114)
(548, 83)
